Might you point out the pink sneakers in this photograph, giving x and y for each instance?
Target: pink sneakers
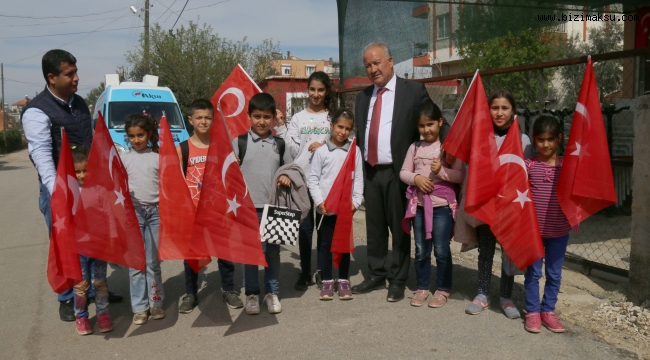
(83, 326)
(419, 297)
(552, 322)
(104, 323)
(533, 322)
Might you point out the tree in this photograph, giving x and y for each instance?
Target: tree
(93, 94)
(193, 61)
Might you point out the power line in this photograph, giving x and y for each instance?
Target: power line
(205, 6)
(168, 8)
(59, 23)
(74, 33)
(179, 15)
(60, 17)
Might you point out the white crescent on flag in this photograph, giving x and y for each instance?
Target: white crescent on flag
(241, 100)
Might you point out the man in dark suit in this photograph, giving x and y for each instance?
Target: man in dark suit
(386, 121)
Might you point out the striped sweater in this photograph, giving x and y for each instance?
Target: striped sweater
(543, 185)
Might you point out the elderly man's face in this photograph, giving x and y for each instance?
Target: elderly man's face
(379, 66)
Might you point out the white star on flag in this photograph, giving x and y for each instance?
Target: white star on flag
(522, 198)
(120, 197)
(233, 205)
(59, 224)
(577, 150)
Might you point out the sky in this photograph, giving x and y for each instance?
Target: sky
(28, 29)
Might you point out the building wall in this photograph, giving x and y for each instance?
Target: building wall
(298, 67)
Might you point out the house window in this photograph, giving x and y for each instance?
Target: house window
(443, 26)
(286, 69)
(310, 69)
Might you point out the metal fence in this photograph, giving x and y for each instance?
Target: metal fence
(603, 240)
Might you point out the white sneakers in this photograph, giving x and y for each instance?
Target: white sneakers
(271, 300)
(273, 303)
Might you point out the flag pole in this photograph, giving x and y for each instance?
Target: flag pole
(320, 222)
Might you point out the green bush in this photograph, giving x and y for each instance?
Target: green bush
(14, 141)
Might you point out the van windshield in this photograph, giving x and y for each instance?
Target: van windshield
(119, 110)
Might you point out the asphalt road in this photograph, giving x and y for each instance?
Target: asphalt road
(364, 328)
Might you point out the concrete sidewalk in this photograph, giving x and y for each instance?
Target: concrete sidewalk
(363, 328)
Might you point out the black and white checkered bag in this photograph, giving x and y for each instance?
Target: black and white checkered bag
(280, 225)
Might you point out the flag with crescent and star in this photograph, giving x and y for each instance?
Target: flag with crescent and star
(177, 211)
(514, 222)
(472, 140)
(63, 268)
(105, 223)
(339, 202)
(231, 100)
(642, 29)
(586, 183)
(226, 224)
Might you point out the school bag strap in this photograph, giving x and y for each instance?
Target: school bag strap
(242, 143)
(185, 154)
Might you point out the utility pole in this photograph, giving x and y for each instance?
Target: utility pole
(4, 116)
(146, 36)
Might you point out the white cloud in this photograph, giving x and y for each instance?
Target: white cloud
(307, 28)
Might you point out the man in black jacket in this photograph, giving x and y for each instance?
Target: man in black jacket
(386, 121)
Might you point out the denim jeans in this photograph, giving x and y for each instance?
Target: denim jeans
(555, 248)
(271, 273)
(325, 235)
(44, 206)
(305, 239)
(442, 225)
(226, 271)
(92, 271)
(147, 287)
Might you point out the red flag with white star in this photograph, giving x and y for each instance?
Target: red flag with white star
(514, 222)
(177, 211)
(339, 202)
(226, 224)
(63, 268)
(231, 101)
(586, 183)
(105, 223)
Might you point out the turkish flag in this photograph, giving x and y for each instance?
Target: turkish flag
(226, 224)
(642, 29)
(339, 202)
(177, 211)
(586, 183)
(63, 267)
(105, 223)
(514, 222)
(231, 101)
(472, 140)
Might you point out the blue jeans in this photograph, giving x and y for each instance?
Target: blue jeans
(325, 256)
(44, 206)
(555, 248)
(271, 273)
(93, 272)
(442, 225)
(147, 287)
(305, 236)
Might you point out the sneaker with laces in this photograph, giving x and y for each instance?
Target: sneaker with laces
(533, 322)
(141, 317)
(157, 313)
(83, 326)
(479, 304)
(252, 305)
(273, 304)
(231, 297)
(439, 299)
(552, 322)
(509, 309)
(188, 302)
(104, 323)
(419, 297)
(327, 290)
(344, 291)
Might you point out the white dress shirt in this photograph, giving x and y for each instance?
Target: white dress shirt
(384, 155)
(37, 127)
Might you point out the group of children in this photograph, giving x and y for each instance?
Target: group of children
(318, 140)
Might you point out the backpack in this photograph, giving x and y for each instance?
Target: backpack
(242, 143)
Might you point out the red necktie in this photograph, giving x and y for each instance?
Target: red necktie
(373, 135)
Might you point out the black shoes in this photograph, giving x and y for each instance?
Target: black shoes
(319, 279)
(66, 310)
(395, 292)
(231, 297)
(304, 280)
(369, 285)
(187, 304)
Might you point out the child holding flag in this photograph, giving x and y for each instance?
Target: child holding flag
(141, 164)
(327, 163)
(432, 201)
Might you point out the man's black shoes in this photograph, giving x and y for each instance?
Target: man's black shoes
(304, 280)
(369, 285)
(395, 292)
(66, 310)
